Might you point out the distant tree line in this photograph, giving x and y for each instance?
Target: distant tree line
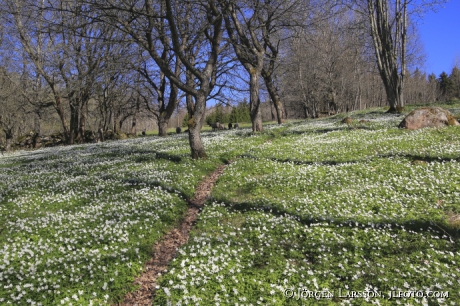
(449, 85)
(81, 66)
(237, 114)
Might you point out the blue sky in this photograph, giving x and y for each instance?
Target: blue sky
(440, 34)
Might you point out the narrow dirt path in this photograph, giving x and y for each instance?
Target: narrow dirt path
(164, 251)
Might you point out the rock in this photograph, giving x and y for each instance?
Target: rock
(428, 117)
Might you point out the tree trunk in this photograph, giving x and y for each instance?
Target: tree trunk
(391, 98)
(83, 114)
(100, 135)
(37, 131)
(115, 123)
(134, 120)
(162, 125)
(8, 145)
(195, 124)
(37, 126)
(166, 112)
(389, 38)
(280, 113)
(254, 103)
(9, 139)
(133, 125)
(60, 110)
(73, 123)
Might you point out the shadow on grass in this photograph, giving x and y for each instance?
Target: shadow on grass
(408, 225)
(152, 155)
(319, 131)
(421, 159)
(414, 158)
(303, 162)
(352, 127)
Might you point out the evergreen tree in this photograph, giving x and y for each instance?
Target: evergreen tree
(211, 118)
(233, 116)
(454, 79)
(445, 84)
(219, 114)
(243, 112)
(240, 113)
(185, 121)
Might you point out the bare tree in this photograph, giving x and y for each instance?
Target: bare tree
(254, 30)
(164, 92)
(324, 66)
(11, 111)
(278, 21)
(66, 50)
(193, 28)
(389, 21)
(244, 33)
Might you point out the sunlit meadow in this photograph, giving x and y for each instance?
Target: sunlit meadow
(77, 223)
(329, 209)
(315, 206)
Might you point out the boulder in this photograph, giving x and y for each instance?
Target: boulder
(428, 117)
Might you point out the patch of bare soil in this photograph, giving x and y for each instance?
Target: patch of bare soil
(165, 250)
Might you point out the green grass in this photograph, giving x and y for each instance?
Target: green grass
(309, 206)
(321, 206)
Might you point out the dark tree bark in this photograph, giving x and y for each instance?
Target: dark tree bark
(194, 126)
(254, 101)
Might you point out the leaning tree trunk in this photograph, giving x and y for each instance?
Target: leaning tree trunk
(166, 112)
(275, 98)
(195, 124)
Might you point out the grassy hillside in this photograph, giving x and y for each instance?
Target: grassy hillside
(323, 212)
(314, 208)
